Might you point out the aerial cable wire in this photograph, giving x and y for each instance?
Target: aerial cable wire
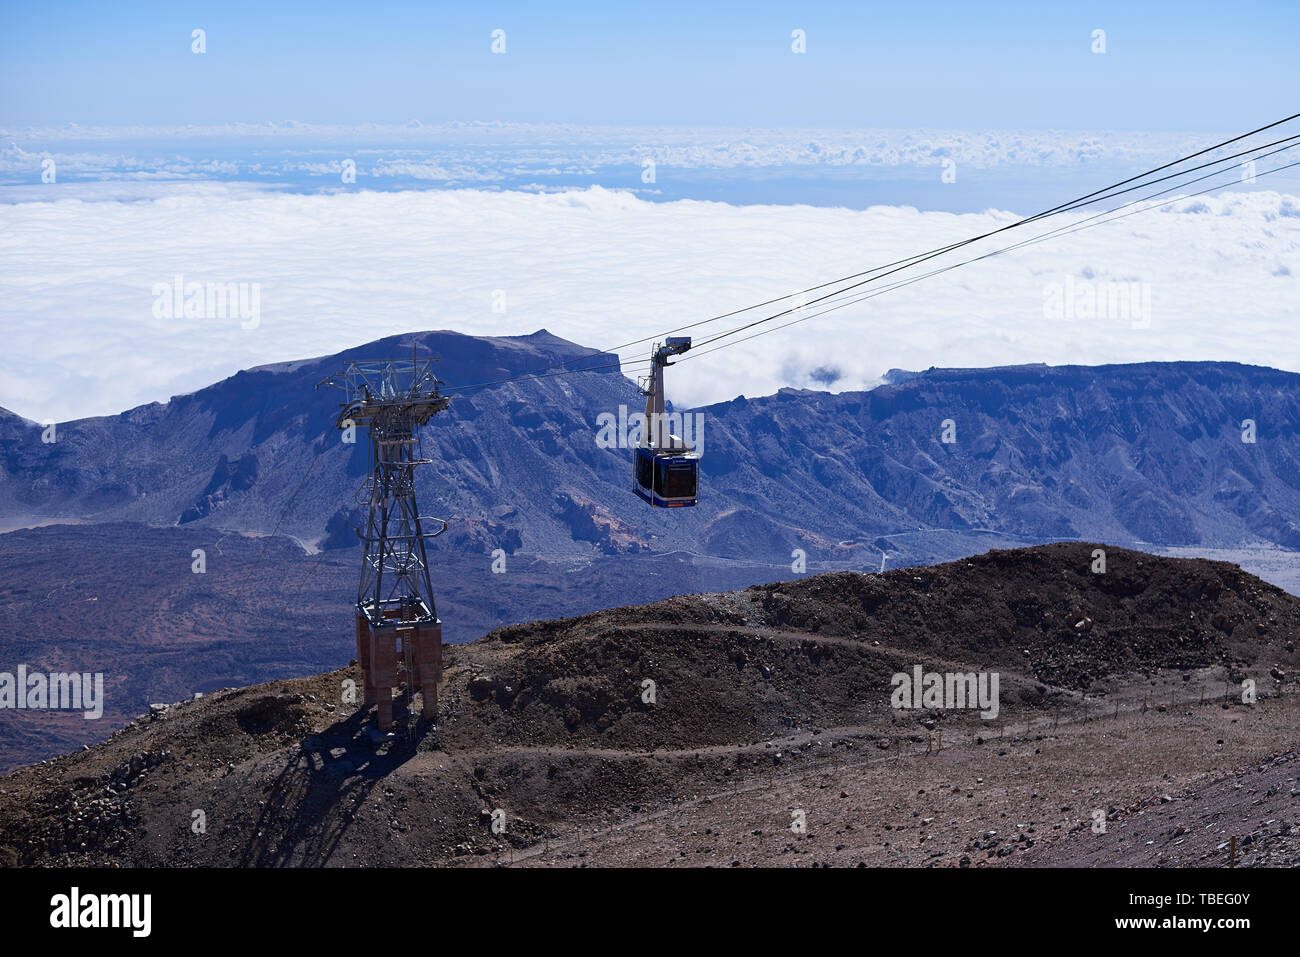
(897, 266)
(927, 256)
(1065, 230)
(1107, 192)
(1062, 230)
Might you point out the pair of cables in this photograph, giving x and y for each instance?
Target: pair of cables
(848, 290)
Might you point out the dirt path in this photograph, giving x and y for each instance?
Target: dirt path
(785, 777)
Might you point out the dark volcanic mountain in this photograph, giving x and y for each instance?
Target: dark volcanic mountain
(1148, 453)
(1117, 689)
(1143, 453)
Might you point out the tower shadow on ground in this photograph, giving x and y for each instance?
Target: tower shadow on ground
(312, 803)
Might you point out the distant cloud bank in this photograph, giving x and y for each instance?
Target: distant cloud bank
(483, 152)
(1216, 277)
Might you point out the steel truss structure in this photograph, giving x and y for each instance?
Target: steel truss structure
(396, 617)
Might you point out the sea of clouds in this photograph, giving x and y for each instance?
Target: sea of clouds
(79, 271)
(468, 153)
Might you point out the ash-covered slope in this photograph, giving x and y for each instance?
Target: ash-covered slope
(1258, 806)
(1150, 453)
(551, 721)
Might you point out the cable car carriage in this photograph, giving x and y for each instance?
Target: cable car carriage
(665, 470)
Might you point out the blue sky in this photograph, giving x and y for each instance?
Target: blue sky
(1168, 66)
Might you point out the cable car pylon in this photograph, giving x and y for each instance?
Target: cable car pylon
(396, 619)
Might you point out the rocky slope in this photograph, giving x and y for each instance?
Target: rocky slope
(767, 700)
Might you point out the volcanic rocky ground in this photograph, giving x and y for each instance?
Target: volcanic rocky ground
(1120, 693)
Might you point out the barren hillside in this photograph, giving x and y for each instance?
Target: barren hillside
(765, 705)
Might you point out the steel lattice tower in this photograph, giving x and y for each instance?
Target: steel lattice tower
(396, 617)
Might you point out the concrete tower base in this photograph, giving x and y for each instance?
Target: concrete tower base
(378, 654)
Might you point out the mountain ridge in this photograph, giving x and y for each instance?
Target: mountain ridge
(1038, 451)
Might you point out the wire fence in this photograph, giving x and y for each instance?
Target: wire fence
(754, 770)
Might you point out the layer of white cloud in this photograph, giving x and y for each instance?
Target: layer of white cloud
(471, 153)
(602, 268)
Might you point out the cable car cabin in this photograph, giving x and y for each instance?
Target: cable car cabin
(665, 470)
(666, 478)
